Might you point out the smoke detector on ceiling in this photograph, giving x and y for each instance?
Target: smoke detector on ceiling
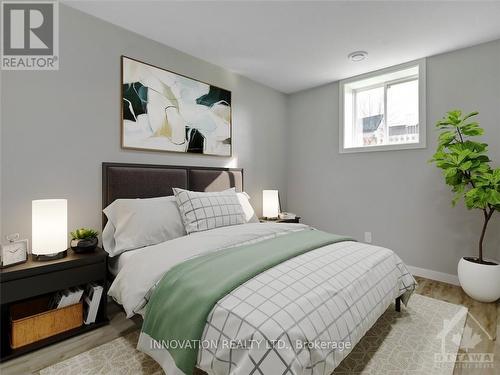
(357, 56)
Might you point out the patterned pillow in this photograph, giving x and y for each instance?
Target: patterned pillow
(202, 211)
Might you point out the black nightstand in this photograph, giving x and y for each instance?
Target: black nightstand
(296, 220)
(32, 279)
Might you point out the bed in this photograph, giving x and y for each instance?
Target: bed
(263, 298)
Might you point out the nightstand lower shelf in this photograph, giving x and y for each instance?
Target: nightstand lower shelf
(9, 353)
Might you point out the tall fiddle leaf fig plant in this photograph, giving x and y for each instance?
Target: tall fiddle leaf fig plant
(466, 167)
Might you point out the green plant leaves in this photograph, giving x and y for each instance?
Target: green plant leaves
(464, 162)
(482, 197)
(495, 176)
(471, 129)
(84, 233)
(468, 116)
(464, 167)
(446, 138)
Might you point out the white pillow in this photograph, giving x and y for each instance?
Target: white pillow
(250, 216)
(135, 223)
(208, 210)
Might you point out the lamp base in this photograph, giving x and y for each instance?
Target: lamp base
(45, 257)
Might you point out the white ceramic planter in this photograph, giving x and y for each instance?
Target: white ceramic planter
(480, 281)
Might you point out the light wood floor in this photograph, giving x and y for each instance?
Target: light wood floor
(483, 319)
(482, 315)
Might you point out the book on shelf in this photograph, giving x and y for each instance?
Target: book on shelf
(92, 299)
(66, 297)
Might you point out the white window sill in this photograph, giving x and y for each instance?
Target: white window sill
(398, 147)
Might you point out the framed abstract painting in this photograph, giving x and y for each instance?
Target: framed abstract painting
(166, 111)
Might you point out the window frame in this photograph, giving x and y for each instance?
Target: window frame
(422, 136)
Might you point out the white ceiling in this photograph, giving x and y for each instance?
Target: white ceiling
(295, 45)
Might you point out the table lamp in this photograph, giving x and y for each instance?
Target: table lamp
(270, 204)
(49, 229)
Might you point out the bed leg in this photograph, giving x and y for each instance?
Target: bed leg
(398, 304)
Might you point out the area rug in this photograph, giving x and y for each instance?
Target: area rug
(422, 339)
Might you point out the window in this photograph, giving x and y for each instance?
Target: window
(383, 110)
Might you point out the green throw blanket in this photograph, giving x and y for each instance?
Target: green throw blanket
(181, 302)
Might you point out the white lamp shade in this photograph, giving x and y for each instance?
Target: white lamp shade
(49, 219)
(270, 203)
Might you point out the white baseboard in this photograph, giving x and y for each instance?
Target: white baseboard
(434, 275)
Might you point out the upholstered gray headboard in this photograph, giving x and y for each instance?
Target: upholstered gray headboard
(120, 180)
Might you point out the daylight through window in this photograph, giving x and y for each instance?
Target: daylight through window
(383, 110)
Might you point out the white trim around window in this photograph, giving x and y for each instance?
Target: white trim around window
(383, 78)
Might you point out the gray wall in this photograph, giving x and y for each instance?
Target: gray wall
(1, 153)
(59, 126)
(396, 195)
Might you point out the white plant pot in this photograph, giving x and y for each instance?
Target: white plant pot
(480, 281)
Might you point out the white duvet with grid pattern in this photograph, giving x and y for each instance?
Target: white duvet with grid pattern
(296, 317)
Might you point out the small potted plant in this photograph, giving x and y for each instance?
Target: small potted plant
(84, 240)
(466, 168)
